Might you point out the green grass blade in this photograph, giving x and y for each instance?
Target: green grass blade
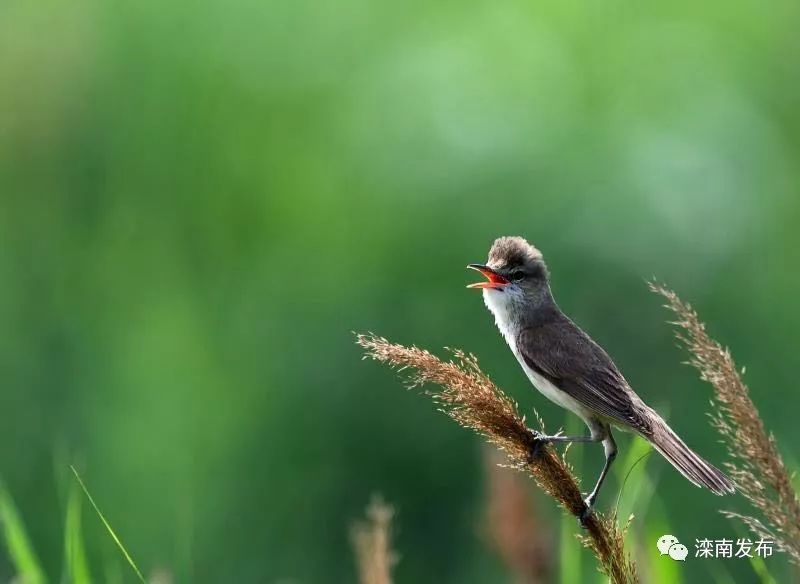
(662, 568)
(760, 568)
(107, 525)
(635, 485)
(757, 563)
(20, 550)
(75, 563)
(569, 550)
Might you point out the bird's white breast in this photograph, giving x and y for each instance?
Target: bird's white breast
(499, 304)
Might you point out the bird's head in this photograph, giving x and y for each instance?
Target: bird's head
(515, 271)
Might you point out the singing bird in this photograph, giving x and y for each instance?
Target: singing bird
(573, 371)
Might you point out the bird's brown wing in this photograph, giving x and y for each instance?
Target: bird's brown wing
(566, 356)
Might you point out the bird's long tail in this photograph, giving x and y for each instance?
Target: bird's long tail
(688, 463)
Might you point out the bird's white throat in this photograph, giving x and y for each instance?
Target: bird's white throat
(502, 304)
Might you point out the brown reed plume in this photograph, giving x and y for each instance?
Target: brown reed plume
(372, 544)
(514, 528)
(756, 464)
(468, 396)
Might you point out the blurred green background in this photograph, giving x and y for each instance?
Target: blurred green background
(200, 201)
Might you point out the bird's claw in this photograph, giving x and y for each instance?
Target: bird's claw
(586, 512)
(535, 444)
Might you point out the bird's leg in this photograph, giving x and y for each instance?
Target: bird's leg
(559, 438)
(610, 450)
(537, 441)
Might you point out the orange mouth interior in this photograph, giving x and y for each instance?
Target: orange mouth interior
(495, 280)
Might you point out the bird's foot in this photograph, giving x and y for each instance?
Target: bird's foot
(586, 511)
(536, 443)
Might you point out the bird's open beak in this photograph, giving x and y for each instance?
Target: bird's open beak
(495, 280)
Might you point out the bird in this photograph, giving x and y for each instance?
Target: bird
(572, 370)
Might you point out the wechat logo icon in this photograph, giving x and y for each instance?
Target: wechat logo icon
(669, 545)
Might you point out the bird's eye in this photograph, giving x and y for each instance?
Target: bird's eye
(517, 275)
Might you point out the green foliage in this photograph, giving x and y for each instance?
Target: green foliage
(108, 527)
(20, 551)
(76, 564)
